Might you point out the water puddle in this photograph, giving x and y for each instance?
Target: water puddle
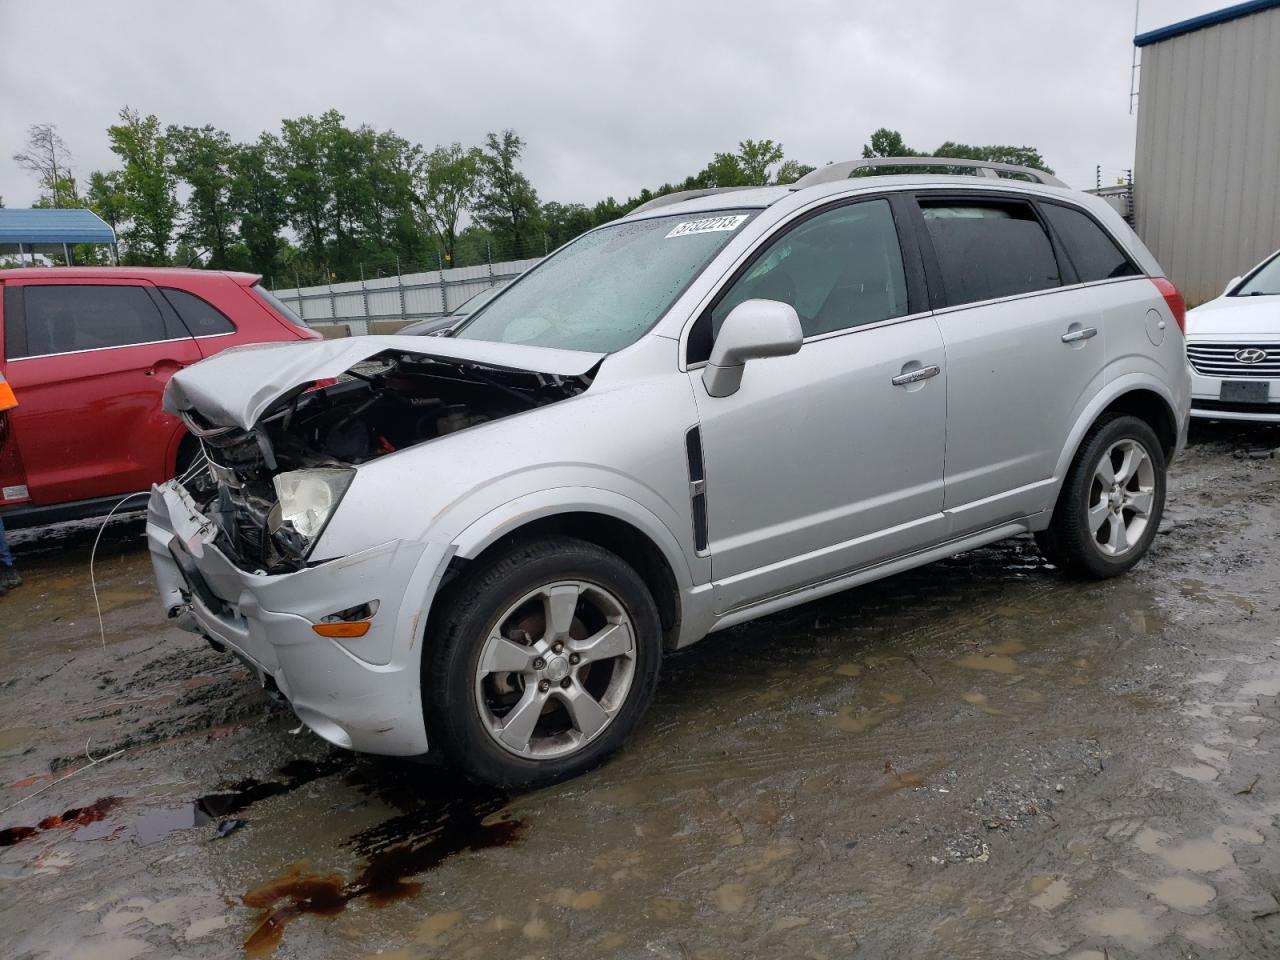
(995, 662)
(1200, 772)
(1049, 893)
(1123, 923)
(294, 774)
(979, 700)
(1202, 855)
(1184, 893)
(852, 719)
(15, 740)
(439, 820)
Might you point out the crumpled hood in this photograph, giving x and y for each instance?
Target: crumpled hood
(235, 387)
(1236, 317)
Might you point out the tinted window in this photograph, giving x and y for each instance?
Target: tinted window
(1092, 251)
(840, 269)
(989, 249)
(61, 319)
(279, 306)
(199, 317)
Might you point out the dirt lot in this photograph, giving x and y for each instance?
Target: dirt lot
(977, 759)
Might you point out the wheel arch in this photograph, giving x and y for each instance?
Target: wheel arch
(627, 530)
(1142, 397)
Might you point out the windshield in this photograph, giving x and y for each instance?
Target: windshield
(605, 289)
(1266, 282)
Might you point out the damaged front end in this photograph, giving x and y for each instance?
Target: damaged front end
(287, 429)
(274, 484)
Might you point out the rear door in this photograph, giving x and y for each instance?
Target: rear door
(88, 362)
(1024, 346)
(13, 478)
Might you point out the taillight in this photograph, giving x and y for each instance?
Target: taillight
(1177, 306)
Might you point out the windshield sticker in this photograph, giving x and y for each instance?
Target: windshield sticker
(707, 225)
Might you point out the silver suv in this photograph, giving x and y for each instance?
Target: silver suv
(723, 405)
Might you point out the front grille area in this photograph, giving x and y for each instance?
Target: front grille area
(1221, 360)
(1234, 406)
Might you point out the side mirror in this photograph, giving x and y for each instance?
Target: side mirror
(1230, 284)
(753, 329)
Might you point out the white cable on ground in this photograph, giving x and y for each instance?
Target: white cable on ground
(92, 762)
(201, 462)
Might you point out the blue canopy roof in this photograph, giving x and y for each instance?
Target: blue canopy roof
(1207, 20)
(53, 226)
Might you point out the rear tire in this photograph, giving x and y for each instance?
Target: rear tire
(1111, 501)
(541, 664)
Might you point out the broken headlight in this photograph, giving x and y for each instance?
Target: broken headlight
(305, 501)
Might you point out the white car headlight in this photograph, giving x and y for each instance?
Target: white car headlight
(307, 498)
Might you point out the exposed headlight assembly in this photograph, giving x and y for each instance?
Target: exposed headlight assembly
(305, 501)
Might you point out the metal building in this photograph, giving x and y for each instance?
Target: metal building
(1207, 171)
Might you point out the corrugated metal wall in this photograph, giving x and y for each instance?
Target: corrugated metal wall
(414, 296)
(1207, 172)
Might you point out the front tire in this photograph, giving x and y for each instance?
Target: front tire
(1111, 501)
(542, 663)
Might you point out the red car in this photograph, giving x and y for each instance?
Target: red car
(87, 351)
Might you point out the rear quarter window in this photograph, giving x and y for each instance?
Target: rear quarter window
(1094, 254)
(201, 318)
(989, 248)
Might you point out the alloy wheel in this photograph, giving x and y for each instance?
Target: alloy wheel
(1121, 497)
(555, 669)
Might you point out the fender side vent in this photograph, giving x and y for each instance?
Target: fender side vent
(697, 488)
(693, 448)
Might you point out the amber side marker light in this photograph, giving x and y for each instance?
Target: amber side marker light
(342, 630)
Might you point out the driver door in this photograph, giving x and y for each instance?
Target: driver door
(831, 459)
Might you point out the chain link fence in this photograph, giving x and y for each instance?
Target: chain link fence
(383, 305)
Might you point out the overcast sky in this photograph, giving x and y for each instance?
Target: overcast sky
(610, 95)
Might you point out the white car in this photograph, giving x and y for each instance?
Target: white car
(1233, 345)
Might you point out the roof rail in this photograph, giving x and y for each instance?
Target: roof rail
(681, 195)
(986, 168)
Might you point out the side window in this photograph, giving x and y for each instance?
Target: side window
(1092, 251)
(989, 248)
(200, 317)
(62, 319)
(840, 269)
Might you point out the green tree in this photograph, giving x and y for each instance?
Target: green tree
(47, 158)
(561, 222)
(448, 186)
(302, 156)
(147, 184)
(755, 157)
(995, 153)
(789, 171)
(507, 204)
(392, 231)
(202, 158)
(258, 197)
(887, 143)
(105, 197)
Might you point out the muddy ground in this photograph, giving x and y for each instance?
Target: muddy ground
(976, 759)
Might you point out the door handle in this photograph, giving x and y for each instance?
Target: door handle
(165, 368)
(1084, 333)
(915, 376)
